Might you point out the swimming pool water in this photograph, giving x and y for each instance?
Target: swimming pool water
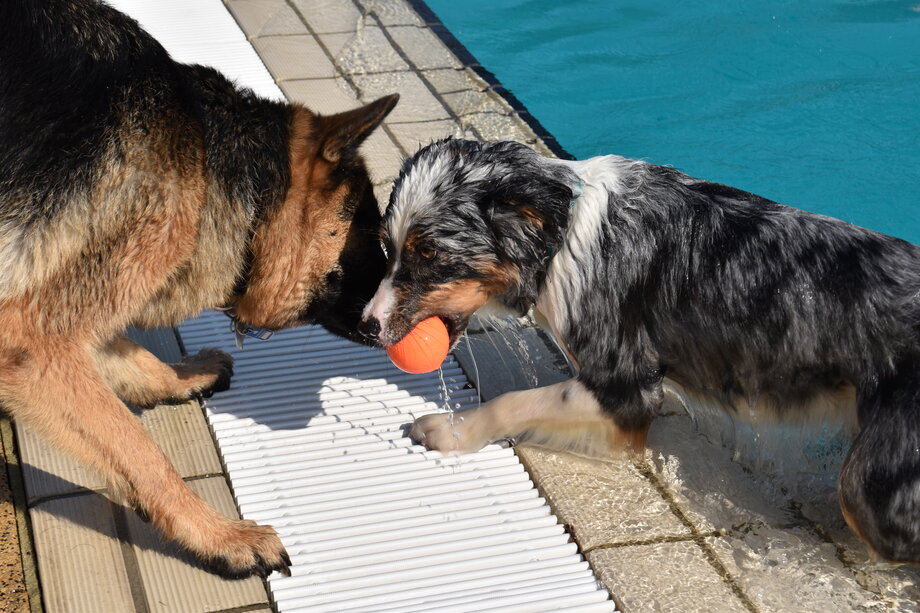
(815, 104)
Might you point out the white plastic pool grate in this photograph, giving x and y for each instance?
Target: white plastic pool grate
(312, 436)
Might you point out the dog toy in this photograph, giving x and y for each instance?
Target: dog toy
(423, 349)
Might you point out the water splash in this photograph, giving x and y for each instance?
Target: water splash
(770, 492)
(514, 348)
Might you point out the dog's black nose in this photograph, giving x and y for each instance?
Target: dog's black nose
(369, 328)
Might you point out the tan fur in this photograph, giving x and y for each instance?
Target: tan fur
(94, 426)
(138, 377)
(103, 268)
(287, 270)
(464, 297)
(151, 244)
(562, 416)
(458, 297)
(850, 519)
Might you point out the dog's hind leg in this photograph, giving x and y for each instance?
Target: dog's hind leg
(563, 416)
(138, 377)
(58, 391)
(879, 484)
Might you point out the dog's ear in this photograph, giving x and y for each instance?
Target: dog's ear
(340, 135)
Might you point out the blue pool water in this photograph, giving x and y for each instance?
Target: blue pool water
(812, 103)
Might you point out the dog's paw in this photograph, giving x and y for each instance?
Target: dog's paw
(207, 372)
(249, 549)
(450, 433)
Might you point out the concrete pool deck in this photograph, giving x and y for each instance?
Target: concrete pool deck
(693, 525)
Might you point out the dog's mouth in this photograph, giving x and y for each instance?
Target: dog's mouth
(455, 324)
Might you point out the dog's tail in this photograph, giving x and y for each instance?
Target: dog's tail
(879, 484)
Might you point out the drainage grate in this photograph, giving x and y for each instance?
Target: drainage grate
(312, 436)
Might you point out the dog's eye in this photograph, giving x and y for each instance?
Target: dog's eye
(427, 253)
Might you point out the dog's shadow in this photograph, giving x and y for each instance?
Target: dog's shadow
(306, 376)
(81, 518)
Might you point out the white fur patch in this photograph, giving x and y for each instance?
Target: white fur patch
(381, 304)
(566, 277)
(414, 197)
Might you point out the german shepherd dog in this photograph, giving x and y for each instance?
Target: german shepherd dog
(643, 272)
(137, 190)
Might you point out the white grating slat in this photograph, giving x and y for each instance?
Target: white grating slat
(483, 597)
(344, 597)
(312, 436)
(369, 518)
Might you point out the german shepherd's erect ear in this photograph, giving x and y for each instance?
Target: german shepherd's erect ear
(317, 258)
(351, 282)
(340, 135)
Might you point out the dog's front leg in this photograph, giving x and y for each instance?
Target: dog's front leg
(138, 377)
(58, 391)
(566, 416)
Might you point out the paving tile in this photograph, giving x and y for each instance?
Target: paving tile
(382, 193)
(392, 12)
(172, 580)
(364, 51)
(789, 569)
(413, 136)
(714, 492)
(266, 17)
(423, 48)
(294, 57)
(382, 157)
(496, 126)
(179, 430)
(785, 553)
(541, 148)
(509, 357)
(897, 584)
(14, 579)
(605, 502)
(79, 557)
(337, 43)
(416, 102)
(663, 577)
(183, 435)
(48, 471)
(326, 16)
(324, 96)
(469, 101)
(453, 80)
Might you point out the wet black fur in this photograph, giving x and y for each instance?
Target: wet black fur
(734, 296)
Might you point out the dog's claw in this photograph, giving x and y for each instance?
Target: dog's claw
(255, 550)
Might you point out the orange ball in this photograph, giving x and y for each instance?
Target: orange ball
(423, 349)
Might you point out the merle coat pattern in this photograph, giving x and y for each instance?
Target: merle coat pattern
(642, 273)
